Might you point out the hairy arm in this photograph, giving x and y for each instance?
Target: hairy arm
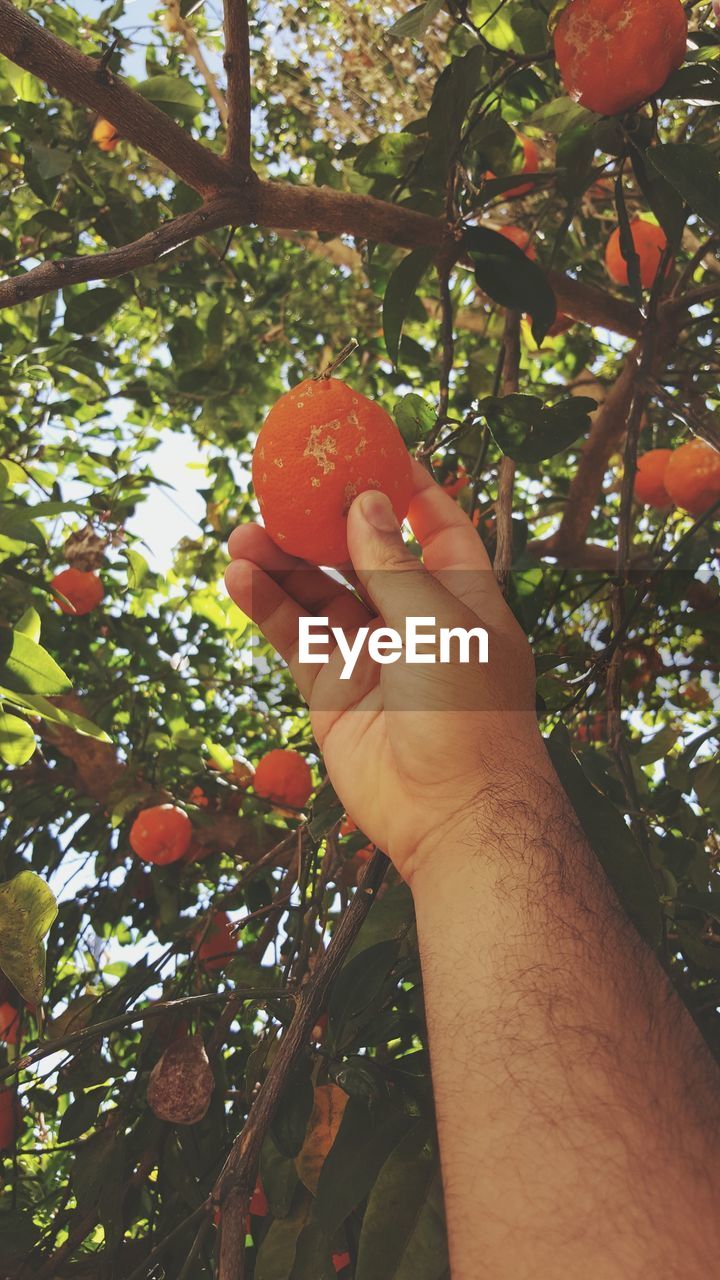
(577, 1103)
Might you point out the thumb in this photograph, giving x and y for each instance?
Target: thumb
(395, 580)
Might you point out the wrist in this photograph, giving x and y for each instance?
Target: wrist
(513, 809)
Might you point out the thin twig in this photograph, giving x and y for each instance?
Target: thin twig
(506, 473)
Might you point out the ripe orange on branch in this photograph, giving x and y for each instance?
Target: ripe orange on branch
(320, 446)
(161, 834)
(105, 135)
(521, 238)
(692, 477)
(284, 778)
(82, 590)
(217, 944)
(9, 1023)
(650, 478)
(614, 54)
(650, 243)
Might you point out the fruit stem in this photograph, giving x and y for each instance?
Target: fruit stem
(339, 359)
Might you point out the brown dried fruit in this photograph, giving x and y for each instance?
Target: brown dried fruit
(181, 1083)
(85, 549)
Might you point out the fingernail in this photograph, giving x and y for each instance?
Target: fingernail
(377, 510)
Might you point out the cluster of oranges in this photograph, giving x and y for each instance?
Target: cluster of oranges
(688, 478)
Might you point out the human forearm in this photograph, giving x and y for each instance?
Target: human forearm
(565, 1068)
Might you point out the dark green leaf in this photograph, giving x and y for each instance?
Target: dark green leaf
(459, 83)
(403, 1230)
(508, 276)
(276, 1255)
(279, 1178)
(390, 154)
(291, 1118)
(665, 202)
(399, 293)
(627, 242)
(528, 431)
(90, 310)
(365, 1139)
(313, 1260)
(697, 82)
(609, 836)
(692, 170)
(359, 984)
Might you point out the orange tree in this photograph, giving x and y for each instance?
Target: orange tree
(223, 1006)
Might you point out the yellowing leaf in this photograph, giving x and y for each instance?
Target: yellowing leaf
(323, 1125)
(27, 910)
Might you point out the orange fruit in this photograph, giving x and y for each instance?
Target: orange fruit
(531, 164)
(217, 944)
(693, 477)
(320, 446)
(454, 484)
(105, 135)
(259, 1206)
(613, 54)
(650, 244)
(284, 778)
(521, 239)
(82, 590)
(9, 1023)
(593, 730)
(161, 834)
(8, 1118)
(650, 478)
(197, 796)
(340, 1261)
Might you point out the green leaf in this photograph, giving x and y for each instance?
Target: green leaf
(36, 705)
(27, 88)
(358, 986)
(508, 276)
(612, 841)
(276, 1255)
(390, 154)
(27, 910)
(279, 1178)
(28, 668)
(414, 417)
(403, 1231)
(90, 310)
(17, 740)
(697, 82)
(365, 1139)
(19, 1233)
(528, 431)
(29, 625)
(291, 1118)
(401, 289)
(389, 919)
(416, 22)
(627, 243)
(175, 96)
(313, 1260)
(325, 813)
(454, 92)
(693, 171)
(665, 202)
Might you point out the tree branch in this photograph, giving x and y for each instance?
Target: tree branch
(51, 276)
(236, 61)
(86, 81)
(233, 1187)
(274, 205)
(194, 51)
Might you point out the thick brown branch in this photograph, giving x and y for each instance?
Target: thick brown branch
(605, 436)
(236, 62)
(592, 306)
(86, 81)
(51, 276)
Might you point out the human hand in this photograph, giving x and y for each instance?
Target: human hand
(417, 754)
